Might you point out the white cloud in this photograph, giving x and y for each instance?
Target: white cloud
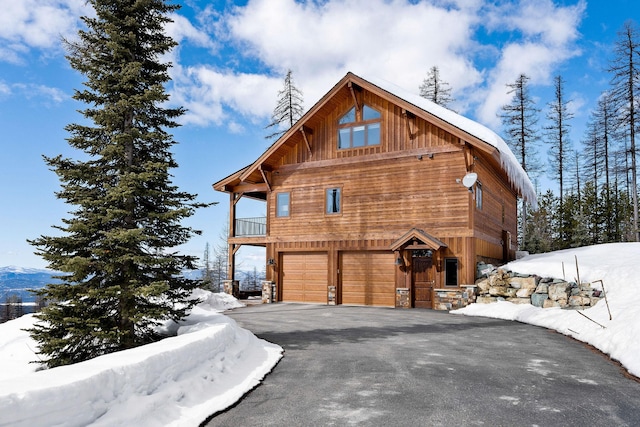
(320, 42)
(250, 48)
(209, 94)
(39, 24)
(397, 40)
(30, 91)
(4, 89)
(548, 33)
(182, 30)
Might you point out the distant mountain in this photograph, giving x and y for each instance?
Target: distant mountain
(18, 280)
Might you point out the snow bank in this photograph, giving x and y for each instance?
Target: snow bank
(617, 265)
(182, 380)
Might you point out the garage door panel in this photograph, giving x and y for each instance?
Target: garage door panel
(368, 278)
(304, 277)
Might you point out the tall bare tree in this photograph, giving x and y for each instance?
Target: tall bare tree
(435, 89)
(557, 136)
(289, 108)
(520, 119)
(625, 91)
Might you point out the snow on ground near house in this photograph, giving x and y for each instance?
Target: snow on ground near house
(618, 266)
(178, 381)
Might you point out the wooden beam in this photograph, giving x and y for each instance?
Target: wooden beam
(416, 246)
(468, 157)
(304, 130)
(249, 187)
(353, 94)
(264, 176)
(407, 119)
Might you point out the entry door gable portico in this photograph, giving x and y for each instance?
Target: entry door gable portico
(423, 252)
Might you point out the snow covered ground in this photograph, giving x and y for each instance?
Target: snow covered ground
(212, 362)
(179, 381)
(618, 266)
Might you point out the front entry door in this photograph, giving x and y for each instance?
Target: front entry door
(422, 282)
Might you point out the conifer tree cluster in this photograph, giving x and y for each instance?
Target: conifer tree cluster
(597, 200)
(121, 274)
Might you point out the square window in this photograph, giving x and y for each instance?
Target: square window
(282, 204)
(333, 201)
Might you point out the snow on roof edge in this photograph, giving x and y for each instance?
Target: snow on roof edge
(516, 175)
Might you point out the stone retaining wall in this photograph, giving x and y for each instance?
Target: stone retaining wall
(545, 292)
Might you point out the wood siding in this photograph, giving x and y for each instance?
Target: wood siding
(409, 180)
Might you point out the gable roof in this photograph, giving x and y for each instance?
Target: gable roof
(421, 235)
(470, 131)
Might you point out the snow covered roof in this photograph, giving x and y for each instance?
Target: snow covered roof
(516, 175)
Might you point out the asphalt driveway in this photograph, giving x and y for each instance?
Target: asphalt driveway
(389, 367)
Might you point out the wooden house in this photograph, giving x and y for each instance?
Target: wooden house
(375, 193)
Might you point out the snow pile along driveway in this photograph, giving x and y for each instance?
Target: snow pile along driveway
(181, 380)
(618, 266)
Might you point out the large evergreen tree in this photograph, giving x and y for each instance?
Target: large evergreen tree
(122, 275)
(289, 107)
(435, 89)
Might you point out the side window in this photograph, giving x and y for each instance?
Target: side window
(479, 195)
(282, 204)
(333, 200)
(451, 272)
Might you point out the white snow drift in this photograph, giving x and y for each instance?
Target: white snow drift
(182, 380)
(617, 265)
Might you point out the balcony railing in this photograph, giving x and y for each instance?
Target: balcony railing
(251, 227)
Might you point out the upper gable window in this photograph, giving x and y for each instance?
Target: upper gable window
(359, 128)
(350, 117)
(369, 113)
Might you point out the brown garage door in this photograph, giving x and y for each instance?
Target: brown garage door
(368, 278)
(304, 277)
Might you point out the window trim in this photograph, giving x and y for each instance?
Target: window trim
(326, 201)
(288, 214)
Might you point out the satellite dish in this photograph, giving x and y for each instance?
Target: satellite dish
(469, 179)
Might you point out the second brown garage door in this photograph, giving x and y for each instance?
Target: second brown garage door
(304, 277)
(368, 278)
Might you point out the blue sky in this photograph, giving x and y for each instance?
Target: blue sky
(231, 62)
